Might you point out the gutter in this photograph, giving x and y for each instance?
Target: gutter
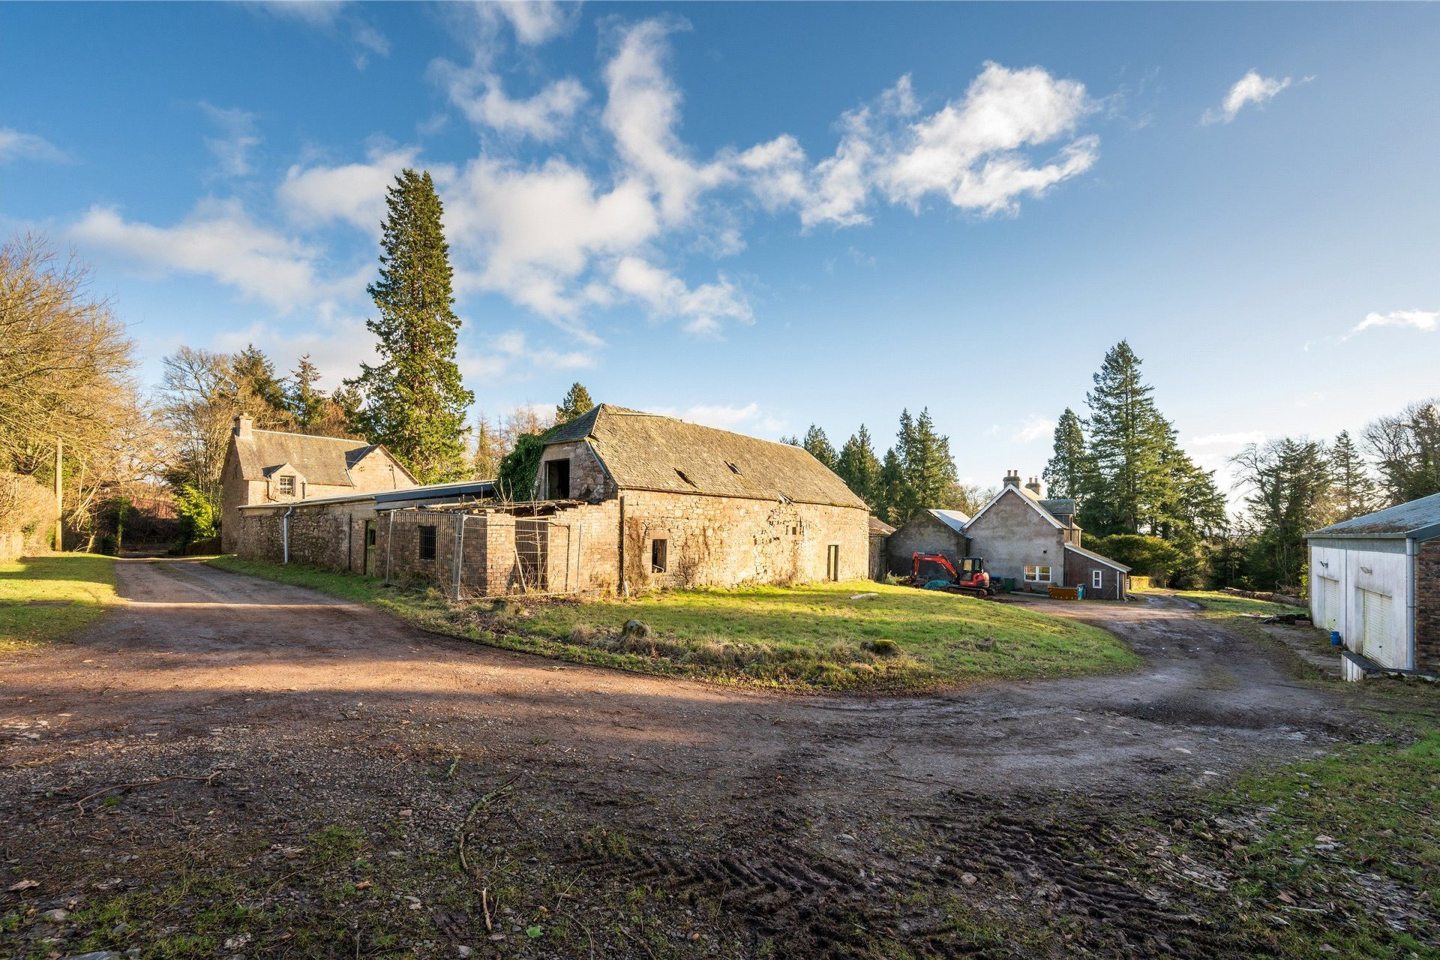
(285, 534)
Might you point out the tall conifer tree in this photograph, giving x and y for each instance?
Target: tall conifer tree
(819, 446)
(1069, 468)
(415, 400)
(575, 403)
(858, 466)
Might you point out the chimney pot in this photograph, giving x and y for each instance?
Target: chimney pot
(1035, 487)
(1012, 479)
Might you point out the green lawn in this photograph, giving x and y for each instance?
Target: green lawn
(43, 599)
(811, 637)
(1215, 601)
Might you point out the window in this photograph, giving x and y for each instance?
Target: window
(1097, 579)
(557, 480)
(369, 535)
(659, 555)
(1037, 574)
(427, 543)
(286, 486)
(832, 562)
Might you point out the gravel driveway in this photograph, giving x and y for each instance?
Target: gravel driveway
(784, 809)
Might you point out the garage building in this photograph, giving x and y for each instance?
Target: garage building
(1376, 580)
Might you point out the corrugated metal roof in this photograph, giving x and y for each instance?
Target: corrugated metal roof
(1418, 519)
(646, 451)
(953, 519)
(1098, 558)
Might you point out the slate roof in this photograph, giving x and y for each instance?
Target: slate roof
(320, 460)
(879, 528)
(953, 519)
(1098, 558)
(1059, 506)
(1418, 519)
(646, 451)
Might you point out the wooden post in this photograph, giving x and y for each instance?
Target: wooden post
(59, 493)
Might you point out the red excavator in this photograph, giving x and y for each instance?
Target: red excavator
(933, 571)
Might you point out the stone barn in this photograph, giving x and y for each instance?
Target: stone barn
(929, 531)
(1376, 581)
(621, 501)
(275, 467)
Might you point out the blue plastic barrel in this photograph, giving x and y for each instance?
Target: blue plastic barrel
(1335, 640)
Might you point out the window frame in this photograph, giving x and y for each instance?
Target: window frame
(1097, 579)
(284, 481)
(1036, 578)
(430, 531)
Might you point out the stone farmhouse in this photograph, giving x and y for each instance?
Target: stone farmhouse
(621, 501)
(273, 467)
(1021, 535)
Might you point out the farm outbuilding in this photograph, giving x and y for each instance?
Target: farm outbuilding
(1376, 581)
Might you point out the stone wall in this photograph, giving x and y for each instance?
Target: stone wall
(1427, 606)
(1013, 534)
(377, 471)
(588, 479)
(330, 536)
(723, 541)
(923, 534)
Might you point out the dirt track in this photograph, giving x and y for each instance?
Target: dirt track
(789, 811)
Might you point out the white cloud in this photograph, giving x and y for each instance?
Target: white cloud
(537, 21)
(1034, 428)
(1251, 88)
(1426, 321)
(737, 417)
(314, 13)
(352, 192)
(1237, 440)
(480, 96)
(515, 345)
(335, 339)
(642, 114)
(704, 308)
(331, 16)
(239, 138)
(15, 145)
(972, 152)
(217, 240)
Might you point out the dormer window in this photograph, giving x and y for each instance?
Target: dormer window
(286, 486)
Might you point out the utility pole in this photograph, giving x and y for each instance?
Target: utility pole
(59, 492)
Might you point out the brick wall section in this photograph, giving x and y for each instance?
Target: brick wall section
(1079, 572)
(1427, 606)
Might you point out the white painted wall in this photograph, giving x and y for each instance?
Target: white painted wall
(1350, 567)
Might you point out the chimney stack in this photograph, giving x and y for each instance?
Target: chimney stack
(1034, 487)
(1012, 479)
(244, 427)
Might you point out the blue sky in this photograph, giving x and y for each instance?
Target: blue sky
(760, 216)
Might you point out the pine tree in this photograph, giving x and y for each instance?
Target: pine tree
(1128, 441)
(256, 389)
(928, 467)
(415, 401)
(577, 402)
(485, 464)
(819, 446)
(858, 466)
(1356, 492)
(1290, 486)
(305, 403)
(890, 492)
(1068, 471)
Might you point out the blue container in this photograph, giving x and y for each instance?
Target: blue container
(1335, 640)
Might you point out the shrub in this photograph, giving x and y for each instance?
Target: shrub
(199, 516)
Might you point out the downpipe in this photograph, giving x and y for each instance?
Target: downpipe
(1411, 586)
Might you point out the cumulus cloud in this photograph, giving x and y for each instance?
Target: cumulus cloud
(239, 137)
(1034, 428)
(642, 114)
(1426, 321)
(217, 240)
(480, 95)
(537, 21)
(16, 145)
(976, 153)
(703, 308)
(1251, 88)
(353, 192)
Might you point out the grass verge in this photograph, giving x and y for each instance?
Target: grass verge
(812, 637)
(44, 599)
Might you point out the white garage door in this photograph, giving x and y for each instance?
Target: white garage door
(1332, 605)
(1380, 643)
